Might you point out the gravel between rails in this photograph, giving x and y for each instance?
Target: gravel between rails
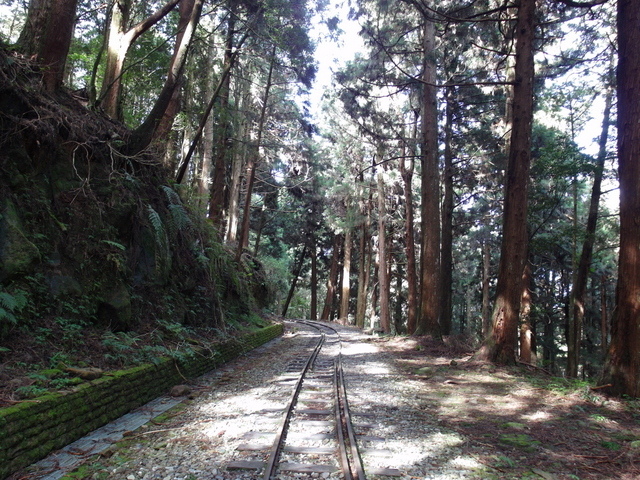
(242, 397)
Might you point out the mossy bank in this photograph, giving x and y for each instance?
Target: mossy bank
(31, 430)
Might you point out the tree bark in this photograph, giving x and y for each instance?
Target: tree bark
(582, 276)
(216, 200)
(294, 282)
(345, 292)
(527, 336)
(47, 36)
(500, 346)
(254, 160)
(216, 94)
(364, 265)
(383, 274)
(622, 368)
(428, 322)
(143, 135)
(119, 41)
(447, 221)
(406, 171)
(332, 279)
(604, 318)
(486, 279)
(314, 279)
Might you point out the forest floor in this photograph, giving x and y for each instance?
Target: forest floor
(521, 421)
(510, 422)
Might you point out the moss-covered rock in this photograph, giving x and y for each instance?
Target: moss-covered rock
(114, 310)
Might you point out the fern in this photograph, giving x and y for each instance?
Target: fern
(10, 304)
(156, 223)
(119, 246)
(172, 195)
(179, 217)
(161, 241)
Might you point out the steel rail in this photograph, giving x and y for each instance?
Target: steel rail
(276, 448)
(352, 469)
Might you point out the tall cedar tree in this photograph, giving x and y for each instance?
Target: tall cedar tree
(428, 322)
(500, 346)
(622, 370)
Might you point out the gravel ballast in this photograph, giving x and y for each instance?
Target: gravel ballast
(198, 439)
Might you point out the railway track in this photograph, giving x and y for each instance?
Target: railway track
(314, 434)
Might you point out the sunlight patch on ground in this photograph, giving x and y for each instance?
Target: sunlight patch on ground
(357, 348)
(468, 463)
(537, 416)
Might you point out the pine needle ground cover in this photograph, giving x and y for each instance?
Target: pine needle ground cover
(521, 422)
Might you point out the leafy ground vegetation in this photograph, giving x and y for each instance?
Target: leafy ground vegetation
(522, 422)
(102, 265)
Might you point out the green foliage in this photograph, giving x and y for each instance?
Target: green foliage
(12, 304)
(30, 391)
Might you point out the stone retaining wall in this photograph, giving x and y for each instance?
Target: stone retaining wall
(30, 430)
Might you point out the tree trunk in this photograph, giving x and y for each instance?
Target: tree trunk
(145, 133)
(332, 279)
(604, 320)
(294, 282)
(216, 94)
(364, 265)
(428, 322)
(580, 286)
(622, 368)
(486, 279)
(47, 36)
(119, 41)
(500, 346)
(254, 160)
(216, 201)
(406, 170)
(398, 317)
(345, 292)
(447, 221)
(314, 279)
(527, 337)
(383, 274)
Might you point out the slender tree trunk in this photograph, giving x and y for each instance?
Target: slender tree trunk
(145, 133)
(346, 277)
(500, 346)
(580, 286)
(406, 170)
(527, 338)
(208, 140)
(216, 94)
(401, 300)
(314, 279)
(239, 160)
(383, 275)
(364, 265)
(294, 282)
(604, 320)
(254, 160)
(332, 279)
(622, 368)
(119, 41)
(486, 279)
(447, 221)
(216, 202)
(428, 322)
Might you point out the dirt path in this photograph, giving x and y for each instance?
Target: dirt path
(520, 422)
